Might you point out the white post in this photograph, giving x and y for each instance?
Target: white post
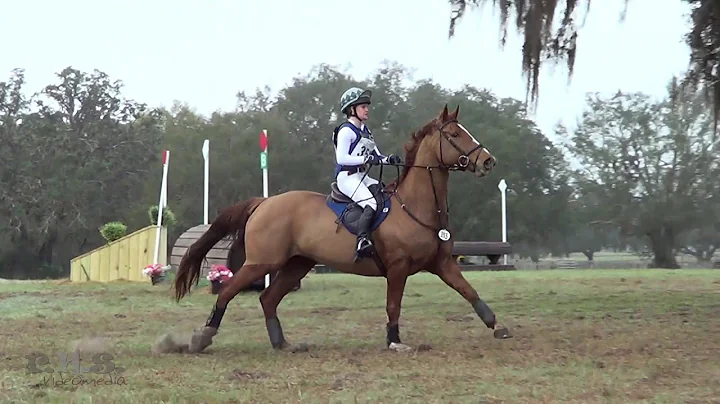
(161, 204)
(502, 186)
(265, 172)
(206, 156)
(264, 166)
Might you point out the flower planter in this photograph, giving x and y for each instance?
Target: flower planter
(156, 272)
(157, 279)
(218, 274)
(215, 287)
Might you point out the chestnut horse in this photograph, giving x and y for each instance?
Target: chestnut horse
(293, 231)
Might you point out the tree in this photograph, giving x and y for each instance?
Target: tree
(535, 18)
(657, 164)
(590, 232)
(75, 155)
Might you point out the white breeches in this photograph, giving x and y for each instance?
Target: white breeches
(356, 187)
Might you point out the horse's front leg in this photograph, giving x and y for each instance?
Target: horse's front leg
(450, 273)
(396, 279)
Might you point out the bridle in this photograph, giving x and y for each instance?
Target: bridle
(462, 164)
(463, 159)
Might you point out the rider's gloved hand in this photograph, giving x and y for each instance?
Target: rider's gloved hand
(373, 160)
(394, 159)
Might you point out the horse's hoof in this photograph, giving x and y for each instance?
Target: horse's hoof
(502, 333)
(201, 339)
(399, 347)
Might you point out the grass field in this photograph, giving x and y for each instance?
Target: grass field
(580, 336)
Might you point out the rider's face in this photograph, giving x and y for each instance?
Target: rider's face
(362, 111)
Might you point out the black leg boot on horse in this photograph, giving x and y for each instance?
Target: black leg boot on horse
(364, 244)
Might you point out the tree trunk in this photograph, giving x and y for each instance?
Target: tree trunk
(45, 254)
(662, 241)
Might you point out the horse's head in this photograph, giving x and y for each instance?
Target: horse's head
(457, 149)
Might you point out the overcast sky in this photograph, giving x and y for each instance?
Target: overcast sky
(203, 52)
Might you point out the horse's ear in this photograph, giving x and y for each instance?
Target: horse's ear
(457, 111)
(444, 114)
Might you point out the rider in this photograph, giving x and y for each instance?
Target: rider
(355, 151)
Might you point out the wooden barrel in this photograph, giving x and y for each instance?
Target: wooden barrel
(221, 254)
(218, 255)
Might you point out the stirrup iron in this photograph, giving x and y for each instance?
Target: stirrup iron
(362, 248)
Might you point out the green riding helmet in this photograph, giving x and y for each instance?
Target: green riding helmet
(354, 96)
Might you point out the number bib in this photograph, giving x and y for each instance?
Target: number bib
(365, 146)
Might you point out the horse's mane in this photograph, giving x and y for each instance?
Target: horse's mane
(411, 148)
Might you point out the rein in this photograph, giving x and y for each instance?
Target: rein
(461, 165)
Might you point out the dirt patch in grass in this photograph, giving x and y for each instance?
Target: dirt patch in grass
(613, 336)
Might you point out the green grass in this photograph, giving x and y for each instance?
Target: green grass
(580, 336)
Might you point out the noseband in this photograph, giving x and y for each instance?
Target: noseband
(462, 163)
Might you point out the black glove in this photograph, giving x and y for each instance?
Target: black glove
(373, 160)
(394, 159)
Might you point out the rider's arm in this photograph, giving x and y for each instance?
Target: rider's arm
(382, 157)
(343, 157)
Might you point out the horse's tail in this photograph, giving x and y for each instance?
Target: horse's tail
(230, 221)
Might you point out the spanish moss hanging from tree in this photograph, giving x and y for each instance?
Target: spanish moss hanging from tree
(542, 43)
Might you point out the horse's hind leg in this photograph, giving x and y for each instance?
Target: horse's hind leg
(288, 276)
(247, 274)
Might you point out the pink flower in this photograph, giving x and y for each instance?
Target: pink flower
(219, 273)
(153, 270)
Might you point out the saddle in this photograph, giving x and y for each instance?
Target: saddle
(340, 197)
(348, 211)
(337, 195)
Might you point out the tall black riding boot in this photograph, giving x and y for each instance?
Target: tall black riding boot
(364, 245)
